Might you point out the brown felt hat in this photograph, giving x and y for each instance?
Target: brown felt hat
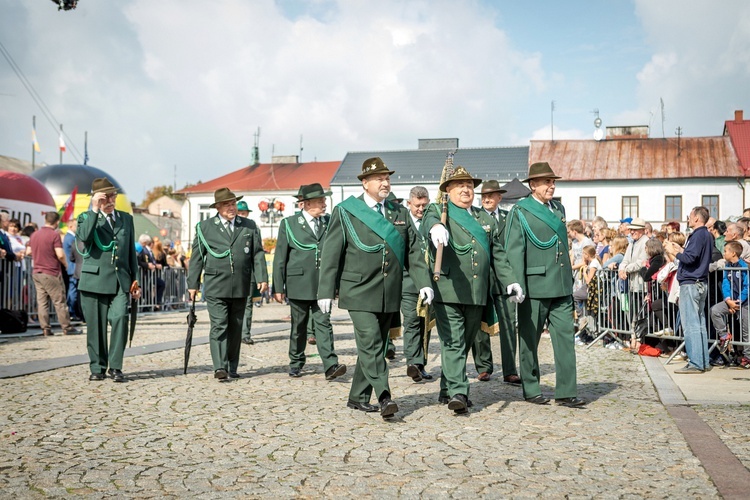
(223, 194)
(492, 187)
(373, 166)
(102, 185)
(460, 174)
(541, 170)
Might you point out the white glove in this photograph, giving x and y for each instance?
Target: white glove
(325, 305)
(426, 294)
(516, 293)
(439, 235)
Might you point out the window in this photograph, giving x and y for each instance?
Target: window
(711, 202)
(673, 208)
(629, 206)
(204, 212)
(588, 207)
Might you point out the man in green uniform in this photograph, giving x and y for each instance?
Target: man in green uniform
(228, 252)
(296, 270)
(108, 278)
(247, 323)
(537, 235)
(414, 325)
(473, 258)
(492, 195)
(368, 245)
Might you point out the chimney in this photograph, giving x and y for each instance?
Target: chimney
(738, 116)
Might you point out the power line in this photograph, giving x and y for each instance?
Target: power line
(38, 100)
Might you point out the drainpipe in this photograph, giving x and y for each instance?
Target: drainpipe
(741, 184)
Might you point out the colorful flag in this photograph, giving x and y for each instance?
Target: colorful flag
(34, 141)
(62, 144)
(66, 210)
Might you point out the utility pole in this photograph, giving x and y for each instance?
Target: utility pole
(552, 121)
(678, 132)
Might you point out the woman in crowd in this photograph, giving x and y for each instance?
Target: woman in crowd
(617, 251)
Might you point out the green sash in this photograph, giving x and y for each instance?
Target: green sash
(470, 224)
(377, 223)
(543, 213)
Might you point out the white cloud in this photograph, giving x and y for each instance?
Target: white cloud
(560, 134)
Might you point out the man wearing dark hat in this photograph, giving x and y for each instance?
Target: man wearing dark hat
(296, 270)
(228, 251)
(538, 239)
(108, 279)
(492, 195)
(390, 350)
(243, 211)
(473, 257)
(367, 247)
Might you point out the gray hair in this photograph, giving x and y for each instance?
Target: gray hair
(144, 239)
(418, 192)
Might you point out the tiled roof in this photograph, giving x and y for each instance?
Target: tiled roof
(739, 132)
(424, 166)
(625, 159)
(269, 177)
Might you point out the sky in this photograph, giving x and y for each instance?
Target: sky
(173, 91)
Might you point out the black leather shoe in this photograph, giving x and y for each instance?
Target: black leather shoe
(390, 353)
(424, 374)
(512, 380)
(538, 400)
(311, 340)
(221, 374)
(295, 372)
(571, 402)
(388, 408)
(414, 372)
(116, 375)
(459, 404)
(443, 400)
(248, 341)
(367, 407)
(96, 377)
(234, 375)
(335, 371)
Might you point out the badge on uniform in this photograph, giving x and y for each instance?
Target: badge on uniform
(486, 228)
(247, 250)
(300, 220)
(399, 222)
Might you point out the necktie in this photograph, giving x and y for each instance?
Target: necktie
(316, 226)
(230, 228)
(111, 221)
(379, 208)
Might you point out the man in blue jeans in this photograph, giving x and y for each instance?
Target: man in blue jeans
(692, 275)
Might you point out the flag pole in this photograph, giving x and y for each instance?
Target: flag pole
(86, 147)
(60, 145)
(33, 143)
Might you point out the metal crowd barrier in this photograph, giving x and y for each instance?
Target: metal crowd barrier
(163, 290)
(625, 313)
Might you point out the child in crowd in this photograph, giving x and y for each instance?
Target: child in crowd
(589, 290)
(617, 250)
(735, 290)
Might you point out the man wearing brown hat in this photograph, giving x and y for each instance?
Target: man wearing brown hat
(296, 271)
(492, 195)
(368, 245)
(108, 279)
(473, 257)
(537, 240)
(247, 323)
(228, 252)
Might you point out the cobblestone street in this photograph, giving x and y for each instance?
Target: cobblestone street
(163, 434)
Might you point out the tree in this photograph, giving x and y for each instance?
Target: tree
(159, 191)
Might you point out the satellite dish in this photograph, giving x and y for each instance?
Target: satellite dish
(598, 134)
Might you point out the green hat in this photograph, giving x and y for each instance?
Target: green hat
(243, 206)
(223, 194)
(460, 174)
(373, 166)
(393, 197)
(541, 170)
(102, 185)
(311, 191)
(492, 187)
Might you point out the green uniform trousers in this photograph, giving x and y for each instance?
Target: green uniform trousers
(413, 330)
(302, 311)
(506, 313)
(481, 350)
(457, 326)
(558, 313)
(225, 335)
(100, 309)
(371, 373)
(247, 322)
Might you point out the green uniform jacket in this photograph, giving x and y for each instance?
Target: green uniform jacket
(369, 281)
(542, 272)
(101, 272)
(225, 277)
(408, 284)
(296, 262)
(466, 277)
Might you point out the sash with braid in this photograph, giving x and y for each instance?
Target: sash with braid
(461, 216)
(544, 214)
(376, 222)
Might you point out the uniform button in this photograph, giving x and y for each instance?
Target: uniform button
(386, 252)
(386, 263)
(475, 252)
(476, 263)
(473, 241)
(385, 274)
(475, 276)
